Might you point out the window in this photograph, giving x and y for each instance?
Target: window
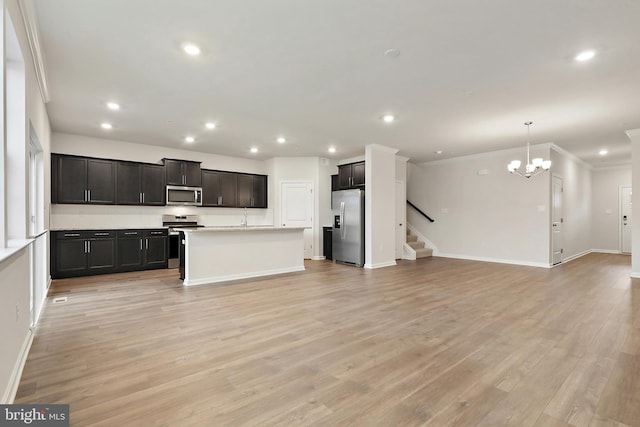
(36, 184)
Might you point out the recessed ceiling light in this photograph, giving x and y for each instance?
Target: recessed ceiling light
(254, 149)
(281, 140)
(438, 152)
(210, 125)
(332, 149)
(113, 105)
(585, 56)
(191, 49)
(603, 152)
(189, 139)
(388, 118)
(106, 125)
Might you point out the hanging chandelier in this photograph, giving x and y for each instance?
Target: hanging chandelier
(533, 167)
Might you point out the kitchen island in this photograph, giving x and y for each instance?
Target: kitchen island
(220, 254)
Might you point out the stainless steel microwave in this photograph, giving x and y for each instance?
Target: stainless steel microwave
(189, 196)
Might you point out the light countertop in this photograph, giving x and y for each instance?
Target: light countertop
(228, 228)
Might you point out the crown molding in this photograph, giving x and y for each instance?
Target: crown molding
(624, 166)
(37, 54)
(571, 156)
(633, 132)
(379, 147)
(486, 154)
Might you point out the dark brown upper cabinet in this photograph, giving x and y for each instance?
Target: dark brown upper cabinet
(82, 180)
(140, 184)
(351, 176)
(252, 191)
(219, 188)
(182, 172)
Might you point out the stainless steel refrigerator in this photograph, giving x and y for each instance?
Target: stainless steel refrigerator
(348, 227)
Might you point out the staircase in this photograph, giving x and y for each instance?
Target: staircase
(419, 247)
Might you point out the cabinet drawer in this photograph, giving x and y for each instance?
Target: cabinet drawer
(130, 233)
(101, 234)
(156, 232)
(63, 235)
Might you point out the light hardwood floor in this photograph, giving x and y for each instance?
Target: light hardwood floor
(437, 342)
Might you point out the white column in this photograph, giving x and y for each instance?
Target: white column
(380, 189)
(634, 135)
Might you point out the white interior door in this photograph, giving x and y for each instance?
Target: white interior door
(296, 210)
(625, 218)
(556, 219)
(401, 218)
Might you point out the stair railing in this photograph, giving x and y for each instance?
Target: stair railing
(420, 211)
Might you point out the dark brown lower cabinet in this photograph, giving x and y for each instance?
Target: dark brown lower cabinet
(80, 253)
(87, 252)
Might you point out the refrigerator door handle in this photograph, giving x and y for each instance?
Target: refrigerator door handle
(343, 230)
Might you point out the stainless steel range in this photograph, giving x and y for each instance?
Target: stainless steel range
(173, 222)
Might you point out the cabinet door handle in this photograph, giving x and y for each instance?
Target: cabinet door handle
(85, 247)
(101, 234)
(219, 200)
(88, 195)
(89, 246)
(139, 197)
(86, 199)
(147, 244)
(142, 197)
(131, 233)
(71, 234)
(140, 244)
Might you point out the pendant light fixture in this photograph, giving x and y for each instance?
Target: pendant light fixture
(533, 167)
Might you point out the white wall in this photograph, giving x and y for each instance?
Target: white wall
(305, 169)
(14, 270)
(576, 202)
(327, 169)
(634, 135)
(14, 319)
(494, 216)
(605, 207)
(380, 211)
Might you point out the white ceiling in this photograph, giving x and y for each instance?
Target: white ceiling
(469, 74)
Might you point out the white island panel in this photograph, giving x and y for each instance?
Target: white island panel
(219, 254)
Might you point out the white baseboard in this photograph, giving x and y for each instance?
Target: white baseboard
(14, 381)
(605, 251)
(635, 274)
(380, 265)
(576, 256)
(496, 260)
(253, 274)
(318, 258)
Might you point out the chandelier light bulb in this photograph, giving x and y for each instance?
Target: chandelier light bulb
(537, 162)
(546, 165)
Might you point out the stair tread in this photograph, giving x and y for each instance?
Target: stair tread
(412, 238)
